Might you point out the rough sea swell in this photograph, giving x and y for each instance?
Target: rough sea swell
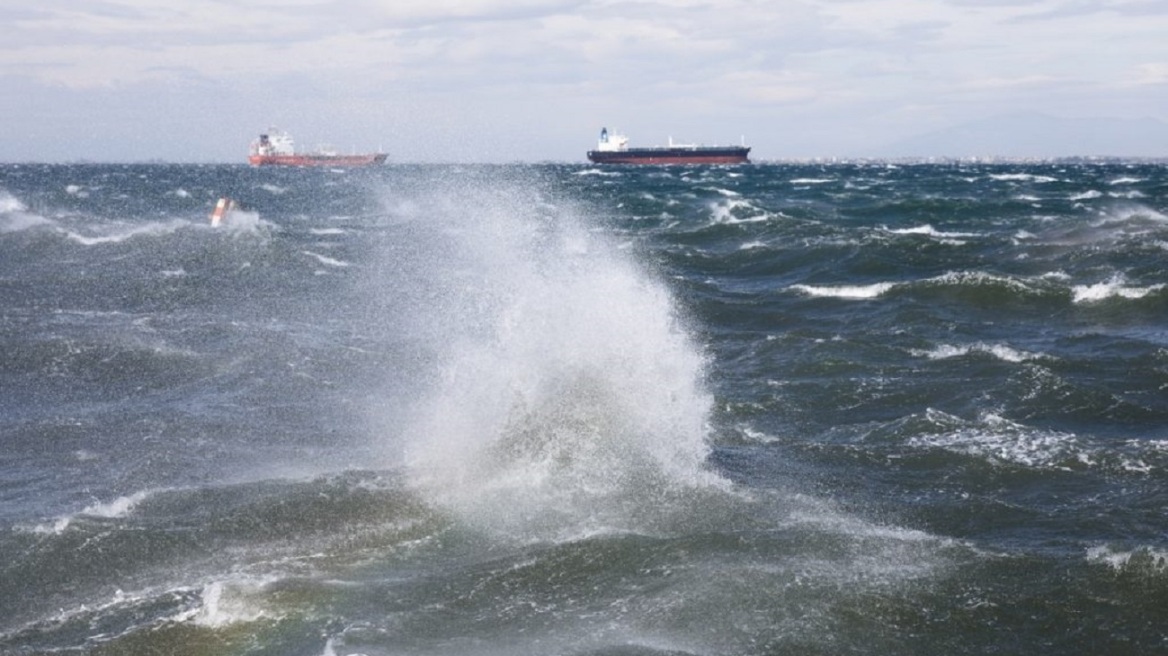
(767, 409)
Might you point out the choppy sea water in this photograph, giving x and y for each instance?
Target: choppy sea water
(558, 409)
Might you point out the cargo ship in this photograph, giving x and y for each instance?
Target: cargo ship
(276, 148)
(614, 149)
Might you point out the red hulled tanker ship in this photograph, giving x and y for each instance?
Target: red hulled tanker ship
(275, 148)
(614, 149)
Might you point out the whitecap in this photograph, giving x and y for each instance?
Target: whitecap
(148, 229)
(848, 292)
(1087, 195)
(323, 259)
(1145, 558)
(1021, 177)
(997, 439)
(976, 278)
(930, 231)
(1116, 287)
(10, 203)
(999, 351)
(119, 507)
(17, 221)
(724, 212)
(230, 603)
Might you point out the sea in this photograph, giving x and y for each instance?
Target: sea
(809, 408)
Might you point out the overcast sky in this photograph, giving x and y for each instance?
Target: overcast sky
(535, 80)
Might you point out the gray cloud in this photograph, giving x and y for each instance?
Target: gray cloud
(802, 78)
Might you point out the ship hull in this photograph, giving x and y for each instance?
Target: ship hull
(317, 160)
(700, 155)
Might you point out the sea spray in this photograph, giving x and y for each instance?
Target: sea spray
(567, 389)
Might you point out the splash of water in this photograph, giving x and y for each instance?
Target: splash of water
(569, 395)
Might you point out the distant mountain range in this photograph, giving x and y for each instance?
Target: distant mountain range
(1038, 135)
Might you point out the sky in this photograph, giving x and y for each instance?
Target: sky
(535, 80)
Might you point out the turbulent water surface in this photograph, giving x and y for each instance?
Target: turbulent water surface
(555, 409)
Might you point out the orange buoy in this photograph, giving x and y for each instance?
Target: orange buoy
(224, 206)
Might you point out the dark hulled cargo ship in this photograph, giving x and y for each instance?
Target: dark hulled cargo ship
(614, 149)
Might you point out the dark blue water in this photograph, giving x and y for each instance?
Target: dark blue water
(555, 409)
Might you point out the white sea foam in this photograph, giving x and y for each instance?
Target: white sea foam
(1125, 180)
(999, 351)
(811, 181)
(10, 203)
(1146, 559)
(930, 231)
(975, 278)
(847, 292)
(1022, 177)
(599, 172)
(119, 507)
(1000, 440)
(1087, 195)
(1131, 194)
(1117, 287)
(227, 603)
(1134, 213)
(18, 221)
(149, 229)
(328, 261)
(327, 231)
(14, 215)
(736, 210)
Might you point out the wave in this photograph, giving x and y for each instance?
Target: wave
(1117, 287)
(150, 229)
(10, 204)
(930, 231)
(1022, 177)
(736, 210)
(119, 507)
(983, 287)
(999, 440)
(328, 261)
(15, 216)
(1148, 561)
(847, 292)
(999, 351)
